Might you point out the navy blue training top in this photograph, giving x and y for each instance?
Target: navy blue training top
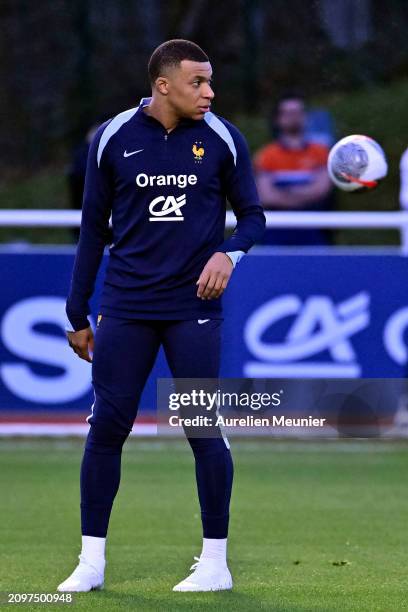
(167, 195)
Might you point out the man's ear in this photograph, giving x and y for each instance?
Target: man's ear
(162, 85)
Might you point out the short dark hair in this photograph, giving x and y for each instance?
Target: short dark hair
(291, 94)
(171, 53)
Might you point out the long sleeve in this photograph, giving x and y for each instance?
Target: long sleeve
(242, 194)
(96, 210)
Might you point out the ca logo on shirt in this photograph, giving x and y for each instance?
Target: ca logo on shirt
(167, 209)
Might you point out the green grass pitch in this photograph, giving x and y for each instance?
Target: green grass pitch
(314, 526)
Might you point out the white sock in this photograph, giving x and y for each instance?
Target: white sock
(93, 552)
(215, 549)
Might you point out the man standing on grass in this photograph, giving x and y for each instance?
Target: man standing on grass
(164, 171)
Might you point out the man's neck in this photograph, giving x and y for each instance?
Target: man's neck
(293, 141)
(163, 114)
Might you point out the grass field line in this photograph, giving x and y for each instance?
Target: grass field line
(317, 525)
(250, 445)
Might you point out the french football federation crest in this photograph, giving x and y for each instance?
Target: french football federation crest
(198, 151)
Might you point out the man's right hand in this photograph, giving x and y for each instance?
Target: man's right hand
(82, 343)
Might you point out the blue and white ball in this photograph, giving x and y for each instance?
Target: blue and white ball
(357, 162)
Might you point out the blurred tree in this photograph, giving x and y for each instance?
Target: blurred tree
(252, 24)
(65, 63)
(347, 22)
(82, 102)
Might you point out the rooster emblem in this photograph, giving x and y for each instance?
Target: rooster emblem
(198, 151)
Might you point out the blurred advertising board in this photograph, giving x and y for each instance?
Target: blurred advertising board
(288, 316)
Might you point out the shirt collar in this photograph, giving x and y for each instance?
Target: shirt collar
(152, 121)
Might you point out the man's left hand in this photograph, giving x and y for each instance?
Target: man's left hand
(214, 277)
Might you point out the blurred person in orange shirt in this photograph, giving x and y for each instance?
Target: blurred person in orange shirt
(291, 173)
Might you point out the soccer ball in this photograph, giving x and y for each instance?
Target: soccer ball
(356, 162)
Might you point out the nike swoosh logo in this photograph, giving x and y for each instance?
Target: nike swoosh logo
(126, 154)
(201, 321)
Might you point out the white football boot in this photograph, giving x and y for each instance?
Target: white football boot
(208, 575)
(84, 578)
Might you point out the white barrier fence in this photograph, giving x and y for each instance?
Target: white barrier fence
(70, 218)
(294, 219)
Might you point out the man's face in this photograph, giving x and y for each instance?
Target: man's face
(189, 90)
(291, 117)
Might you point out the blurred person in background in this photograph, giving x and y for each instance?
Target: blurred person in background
(77, 170)
(291, 173)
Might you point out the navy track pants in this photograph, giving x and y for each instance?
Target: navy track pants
(124, 355)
